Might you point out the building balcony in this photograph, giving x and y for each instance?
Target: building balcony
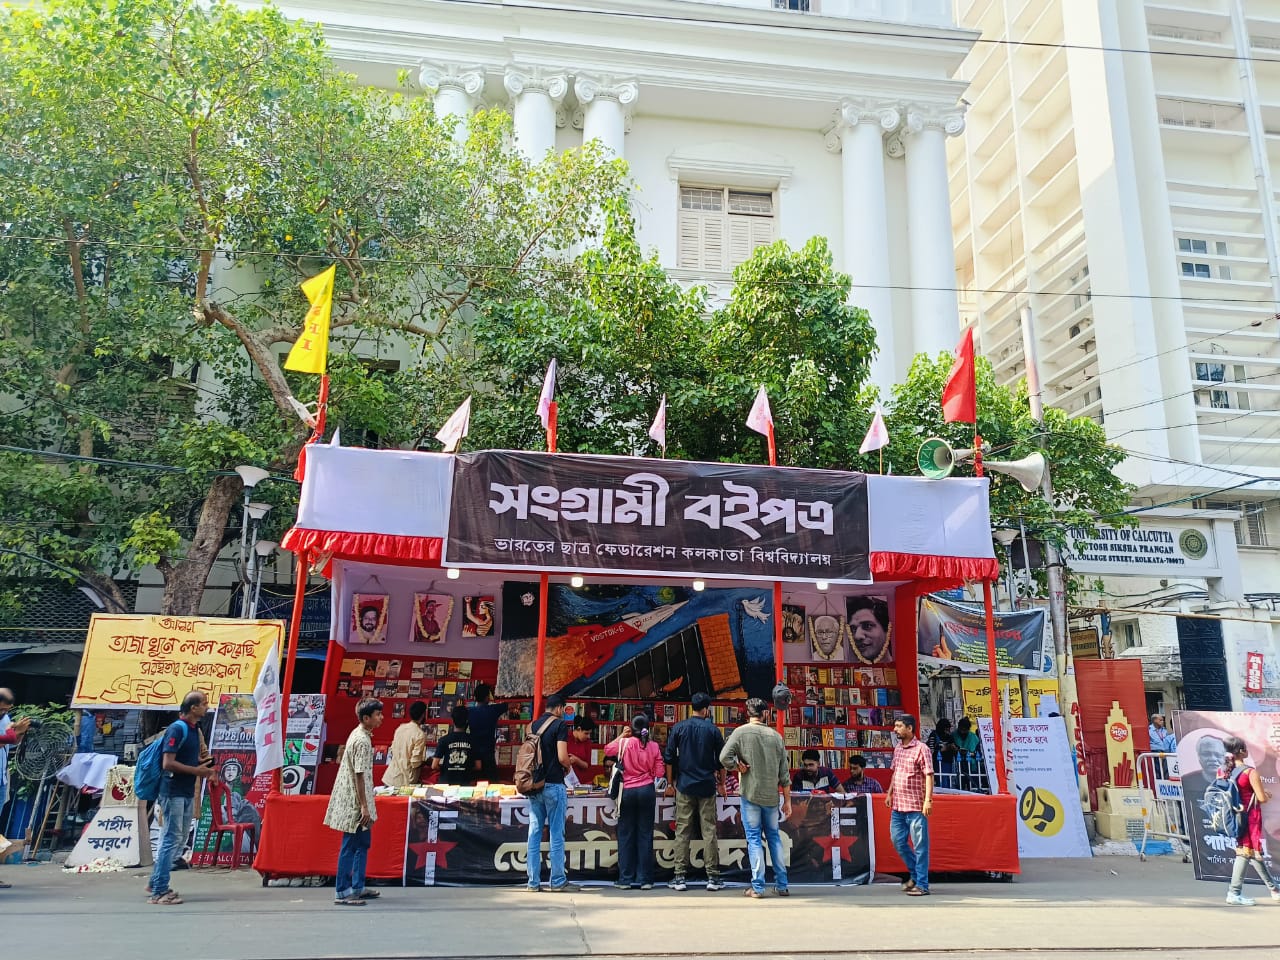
(934, 13)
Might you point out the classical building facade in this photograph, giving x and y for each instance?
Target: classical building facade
(742, 121)
(1116, 176)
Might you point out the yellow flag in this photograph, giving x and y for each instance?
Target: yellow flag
(311, 351)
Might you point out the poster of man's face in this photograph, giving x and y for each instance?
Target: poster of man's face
(431, 612)
(869, 632)
(369, 618)
(826, 632)
(793, 624)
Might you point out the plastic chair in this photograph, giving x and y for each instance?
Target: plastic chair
(221, 823)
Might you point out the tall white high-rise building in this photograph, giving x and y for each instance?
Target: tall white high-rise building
(1117, 175)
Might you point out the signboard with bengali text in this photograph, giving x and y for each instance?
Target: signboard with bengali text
(151, 662)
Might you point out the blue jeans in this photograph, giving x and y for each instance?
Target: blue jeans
(916, 855)
(353, 855)
(635, 834)
(547, 809)
(754, 818)
(176, 812)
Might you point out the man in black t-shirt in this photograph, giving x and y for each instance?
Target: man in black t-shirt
(695, 777)
(547, 806)
(484, 730)
(455, 756)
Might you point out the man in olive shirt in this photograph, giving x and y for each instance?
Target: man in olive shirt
(756, 751)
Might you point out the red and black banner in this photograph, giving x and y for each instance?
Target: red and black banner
(485, 841)
(572, 512)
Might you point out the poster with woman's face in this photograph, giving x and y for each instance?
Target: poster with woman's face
(431, 612)
(478, 614)
(870, 637)
(826, 635)
(369, 618)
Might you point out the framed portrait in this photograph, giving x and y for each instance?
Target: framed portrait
(870, 633)
(431, 612)
(369, 618)
(477, 615)
(793, 624)
(826, 636)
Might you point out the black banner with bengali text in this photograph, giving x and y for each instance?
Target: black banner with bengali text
(572, 512)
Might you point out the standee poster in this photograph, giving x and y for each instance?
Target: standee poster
(1200, 754)
(955, 635)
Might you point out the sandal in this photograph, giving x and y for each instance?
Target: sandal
(368, 895)
(349, 902)
(908, 885)
(917, 892)
(169, 898)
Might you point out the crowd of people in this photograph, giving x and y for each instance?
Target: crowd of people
(696, 766)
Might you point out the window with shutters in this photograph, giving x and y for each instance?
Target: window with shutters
(1251, 528)
(719, 228)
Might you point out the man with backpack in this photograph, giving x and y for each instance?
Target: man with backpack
(180, 767)
(546, 793)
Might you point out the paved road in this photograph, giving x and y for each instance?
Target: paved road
(1060, 909)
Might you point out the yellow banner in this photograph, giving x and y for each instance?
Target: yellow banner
(310, 354)
(152, 662)
(977, 696)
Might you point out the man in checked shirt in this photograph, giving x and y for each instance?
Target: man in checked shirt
(910, 797)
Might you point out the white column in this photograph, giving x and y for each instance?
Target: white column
(456, 89)
(935, 312)
(859, 137)
(606, 109)
(535, 97)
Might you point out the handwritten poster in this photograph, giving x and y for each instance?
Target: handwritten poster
(151, 662)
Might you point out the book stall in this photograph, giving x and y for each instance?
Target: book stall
(626, 585)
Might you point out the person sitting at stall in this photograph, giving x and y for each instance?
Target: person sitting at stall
(858, 781)
(942, 747)
(455, 756)
(812, 776)
(408, 750)
(581, 745)
(968, 756)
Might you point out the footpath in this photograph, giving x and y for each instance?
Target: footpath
(1060, 909)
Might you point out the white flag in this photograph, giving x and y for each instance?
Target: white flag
(877, 435)
(760, 419)
(456, 427)
(337, 437)
(268, 738)
(658, 432)
(548, 396)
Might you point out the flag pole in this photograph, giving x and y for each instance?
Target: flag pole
(544, 589)
(779, 667)
(552, 426)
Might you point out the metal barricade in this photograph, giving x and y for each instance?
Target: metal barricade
(962, 770)
(1160, 787)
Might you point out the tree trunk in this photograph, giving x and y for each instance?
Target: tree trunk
(184, 584)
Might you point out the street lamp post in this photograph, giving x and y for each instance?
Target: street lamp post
(251, 514)
(262, 549)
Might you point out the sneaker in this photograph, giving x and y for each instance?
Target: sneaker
(782, 891)
(715, 884)
(1239, 900)
(1275, 894)
(646, 886)
(566, 888)
(679, 884)
(530, 889)
(621, 886)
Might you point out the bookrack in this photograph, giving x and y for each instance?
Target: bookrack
(840, 711)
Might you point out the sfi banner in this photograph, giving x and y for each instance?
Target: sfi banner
(948, 634)
(827, 839)
(567, 512)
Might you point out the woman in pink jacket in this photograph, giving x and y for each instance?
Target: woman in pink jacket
(642, 765)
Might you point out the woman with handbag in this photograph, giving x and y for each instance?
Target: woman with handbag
(641, 765)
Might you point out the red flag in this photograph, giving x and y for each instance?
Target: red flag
(960, 394)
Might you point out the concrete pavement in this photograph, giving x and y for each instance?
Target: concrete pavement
(1064, 909)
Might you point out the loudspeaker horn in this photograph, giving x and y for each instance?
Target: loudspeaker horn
(936, 458)
(1028, 471)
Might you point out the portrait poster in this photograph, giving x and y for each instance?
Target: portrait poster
(870, 633)
(369, 618)
(826, 636)
(1201, 752)
(477, 615)
(431, 613)
(793, 624)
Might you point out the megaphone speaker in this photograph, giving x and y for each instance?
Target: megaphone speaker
(1028, 471)
(934, 458)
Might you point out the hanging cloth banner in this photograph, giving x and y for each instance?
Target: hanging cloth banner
(952, 635)
(571, 512)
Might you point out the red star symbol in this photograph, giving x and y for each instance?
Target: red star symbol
(828, 844)
(440, 848)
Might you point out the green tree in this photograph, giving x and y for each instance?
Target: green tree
(170, 170)
(1087, 491)
(634, 335)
